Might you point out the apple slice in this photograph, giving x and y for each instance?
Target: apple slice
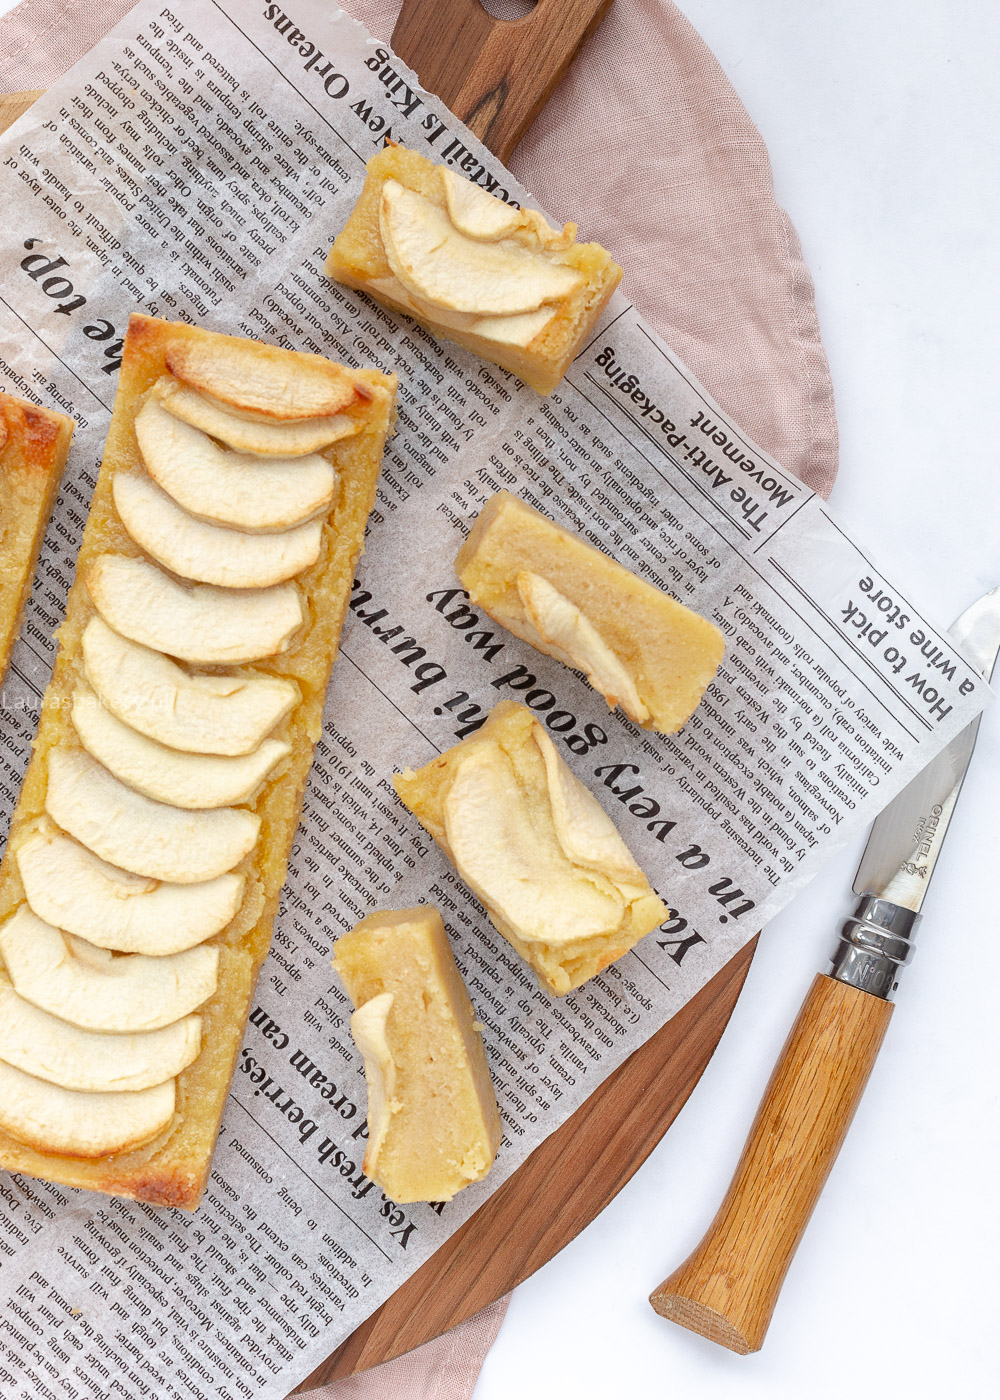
(473, 211)
(87, 986)
(193, 780)
(431, 259)
(199, 623)
(231, 488)
(514, 330)
(244, 375)
(199, 714)
(502, 330)
(49, 1119)
(210, 553)
(567, 634)
(583, 829)
(245, 432)
(69, 887)
(478, 214)
(507, 852)
(138, 834)
(91, 1061)
(368, 1027)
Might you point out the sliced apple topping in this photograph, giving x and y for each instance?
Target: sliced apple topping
(243, 375)
(508, 854)
(514, 330)
(368, 1027)
(231, 488)
(475, 212)
(479, 214)
(91, 1061)
(199, 623)
(69, 887)
(504, 330)
(245, 432)
(193, 780)
(210, 553)
(565, 633)
(50, 1119)
(149, 838)
(583, 829)
(433, 260)
(90, 988)
(199, 714)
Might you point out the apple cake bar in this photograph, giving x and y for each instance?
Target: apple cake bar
(637, 646)
(433, 1124)
(493, 277)
(149, 845)
(34, 443)
(535, 847)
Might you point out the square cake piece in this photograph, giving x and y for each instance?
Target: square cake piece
(474, 269)
(148, 849)
(433, 1125)
(637, 646)
(34, 444)
(535, 847)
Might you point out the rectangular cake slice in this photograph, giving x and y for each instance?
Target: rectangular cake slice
(433, 1125)
(535, 847)
(490, 276)
(149, 845)
(637, 646)
(34, 443)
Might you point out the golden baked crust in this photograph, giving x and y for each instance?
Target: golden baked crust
(566, 943)
(172, 1168)
(444, 1129)
(358, 259)
(34, 443)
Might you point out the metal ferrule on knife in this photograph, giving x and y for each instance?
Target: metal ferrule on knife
(875, 942)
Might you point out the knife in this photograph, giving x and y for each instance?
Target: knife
(728, 1287)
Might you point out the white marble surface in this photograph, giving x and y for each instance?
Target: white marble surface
(882, 121)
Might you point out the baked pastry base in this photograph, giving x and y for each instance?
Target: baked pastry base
(446, 1131)
(671, 652)
(173, 1167)
(34, 444)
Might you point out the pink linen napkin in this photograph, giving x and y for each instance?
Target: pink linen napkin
(711, 261)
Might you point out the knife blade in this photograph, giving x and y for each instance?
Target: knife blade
(906, 838)
(728, 1287)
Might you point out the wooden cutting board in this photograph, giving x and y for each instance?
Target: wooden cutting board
(496, 76)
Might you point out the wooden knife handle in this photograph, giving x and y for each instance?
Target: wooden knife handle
(496, 75)
(727, 1289)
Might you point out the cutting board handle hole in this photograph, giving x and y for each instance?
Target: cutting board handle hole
(508, 9)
